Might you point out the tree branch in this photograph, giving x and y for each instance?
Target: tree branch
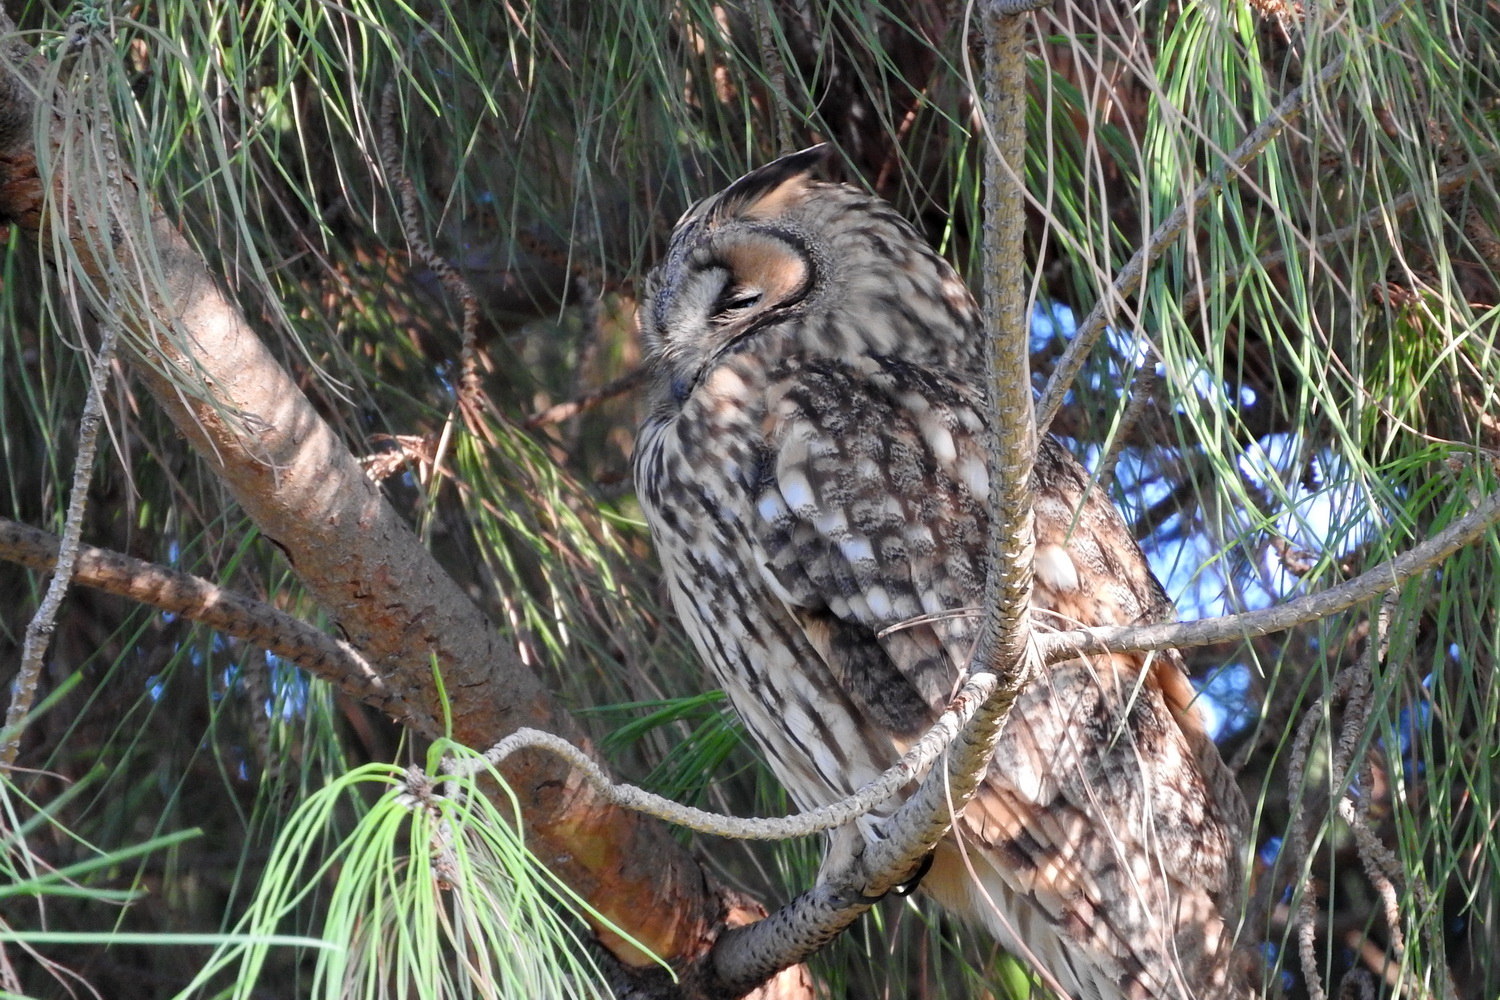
(954, 723)
(1057, 646)
(202, 601)
(1005, 632)
(250, 423)
(1002, 655)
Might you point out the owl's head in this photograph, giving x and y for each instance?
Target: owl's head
(780, 263)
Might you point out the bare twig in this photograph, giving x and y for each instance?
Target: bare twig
(1142, 388)
(775, 69)
(559, 412)
(1058, 646)
(199, 600)
(1354, 687)
(458, 286)
(39, 629)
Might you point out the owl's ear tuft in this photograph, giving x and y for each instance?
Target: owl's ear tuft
(765, 192)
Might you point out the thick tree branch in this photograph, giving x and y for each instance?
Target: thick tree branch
(250, 423)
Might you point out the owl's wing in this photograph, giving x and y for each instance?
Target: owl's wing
(1107, 804)
(871, 517)
(869, 502)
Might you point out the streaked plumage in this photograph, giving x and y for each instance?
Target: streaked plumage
(813, 471)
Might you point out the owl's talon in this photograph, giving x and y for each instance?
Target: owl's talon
(905, 888)
(910, 885)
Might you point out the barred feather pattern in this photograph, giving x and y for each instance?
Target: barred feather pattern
(813, 472)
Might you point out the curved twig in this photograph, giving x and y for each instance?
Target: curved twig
(913, 764)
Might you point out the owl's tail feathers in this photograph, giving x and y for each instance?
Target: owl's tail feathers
(1094, 929)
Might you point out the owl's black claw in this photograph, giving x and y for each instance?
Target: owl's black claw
(905, 888)
(910, 885)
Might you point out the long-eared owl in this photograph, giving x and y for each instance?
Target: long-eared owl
(813, 471)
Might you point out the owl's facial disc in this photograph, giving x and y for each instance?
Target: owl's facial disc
(737, 281)
(765, 272)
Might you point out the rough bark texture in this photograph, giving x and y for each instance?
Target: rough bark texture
(245, 416)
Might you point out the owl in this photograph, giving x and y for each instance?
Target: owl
(813, 471)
